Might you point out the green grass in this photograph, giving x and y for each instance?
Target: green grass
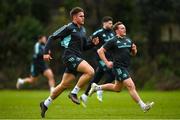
(25, 105)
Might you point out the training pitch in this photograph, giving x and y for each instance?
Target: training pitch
(25, 105)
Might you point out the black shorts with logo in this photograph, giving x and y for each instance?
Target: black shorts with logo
(38, 68)
(121, 73)
(71, 63)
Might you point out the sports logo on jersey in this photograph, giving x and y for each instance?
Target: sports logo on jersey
(74, 30)
(118, 41)
(111, 34)
(104, 35)
(128, 40)
(125, 75)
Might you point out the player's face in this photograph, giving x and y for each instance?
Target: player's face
(43, 40)
(79, 18)
(108, 25)
(122, 30)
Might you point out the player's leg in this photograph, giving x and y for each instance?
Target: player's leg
(88, 73)
(49, 75)
(109, 86)
(30, 80)
(110, 77)
(129, 84)
(27, 80)
(65, 83)
(116, 87)
(97, 77)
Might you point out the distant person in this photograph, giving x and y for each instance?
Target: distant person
(104, 34)
(73, 38)
(121, 48)
(38, 66)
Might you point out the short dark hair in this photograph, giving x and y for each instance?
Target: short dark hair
(75, 10)
(40, 36)
(107, 18)
(115, 26)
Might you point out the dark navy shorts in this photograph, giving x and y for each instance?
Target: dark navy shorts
(71, 63)
(38, 68)
(121, 73)
(103, 66)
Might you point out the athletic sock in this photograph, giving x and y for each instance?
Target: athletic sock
(84, 97)
(142, 104)
(75, 90)
(98, 88)
(51, 89)
(48, 101)
(99, 92)
(21, 81)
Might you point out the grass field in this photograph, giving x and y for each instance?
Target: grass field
(25, 105)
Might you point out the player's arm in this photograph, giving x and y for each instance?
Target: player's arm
(37, 50)
(95, 38)
(101, 53)
(133, 50)
(60, 33)
(90, 42)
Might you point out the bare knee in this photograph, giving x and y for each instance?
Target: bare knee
(61, 87)
(117, 88)
(65, 85)
(48, 73)
(90, 73)
(50, 77)
(32, 80)
(131, 87)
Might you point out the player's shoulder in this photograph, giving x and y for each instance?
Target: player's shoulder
(36, 44)
(128, 39)
(98, 31)
(59, 30)
(68, 26)
(73, 27)
(112, 40)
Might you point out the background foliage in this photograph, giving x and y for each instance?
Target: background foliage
(155, 67)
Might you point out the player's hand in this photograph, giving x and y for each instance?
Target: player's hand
(95, 40)
(109, 64)
(133, 49)
(47, 57)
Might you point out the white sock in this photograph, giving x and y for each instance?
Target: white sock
(51, 89)
(21, 81)
(75, 90)
(99, 92)
(48, 101)
(141, 103)
(98, 88)
(84, 97)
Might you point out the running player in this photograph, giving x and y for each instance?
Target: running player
(104, 34)
(38, 66)
(73, 38)
(121, 48)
